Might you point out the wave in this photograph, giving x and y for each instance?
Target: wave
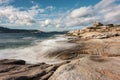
(37, 53)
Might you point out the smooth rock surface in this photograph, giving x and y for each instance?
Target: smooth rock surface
(89, 68)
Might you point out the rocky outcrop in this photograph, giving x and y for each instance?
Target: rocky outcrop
(93, 67)
(89, 68)
(96, 56)
(105, 47)
(97, 24)
(97, 31)
(18, 70)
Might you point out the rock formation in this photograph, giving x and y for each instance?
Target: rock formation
(97, 24)
(96, 56)
(89, 68)
(18, 70)
(97, 31)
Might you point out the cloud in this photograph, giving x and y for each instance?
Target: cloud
(50, 8)
(81, 12)
(113, 16)
(110, 11)
(45, 23)
(105, 4)
(13, 15)
(106, 11)
(5, 2)
(51, 22)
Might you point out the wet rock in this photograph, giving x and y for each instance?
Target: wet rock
(15, 70)
(12, 61)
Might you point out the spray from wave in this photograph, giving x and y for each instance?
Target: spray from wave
(37, 53)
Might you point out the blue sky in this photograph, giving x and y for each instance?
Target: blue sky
(57, 15)
(56, 3)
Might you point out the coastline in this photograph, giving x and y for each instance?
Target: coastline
(95, 56)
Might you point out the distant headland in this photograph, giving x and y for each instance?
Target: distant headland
(8, 30)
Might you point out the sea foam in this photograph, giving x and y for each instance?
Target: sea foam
(37, 52)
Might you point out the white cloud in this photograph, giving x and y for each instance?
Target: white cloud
(105, 4)
(12, 15)
(106, 11)
(15, 16)
(5, 2)
(113, 16)
(51, 22)
(50, 7)
(46, 23)
(81, 12)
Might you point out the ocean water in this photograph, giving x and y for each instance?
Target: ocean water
(32, 47)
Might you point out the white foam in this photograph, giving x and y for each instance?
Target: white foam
(37, 53)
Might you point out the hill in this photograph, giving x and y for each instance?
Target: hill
(7, 30)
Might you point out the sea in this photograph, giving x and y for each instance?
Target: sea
(33, 47)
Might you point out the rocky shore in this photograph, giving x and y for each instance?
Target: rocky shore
(11, 69)
(95, 57)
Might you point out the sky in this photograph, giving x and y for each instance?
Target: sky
(57, 15)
